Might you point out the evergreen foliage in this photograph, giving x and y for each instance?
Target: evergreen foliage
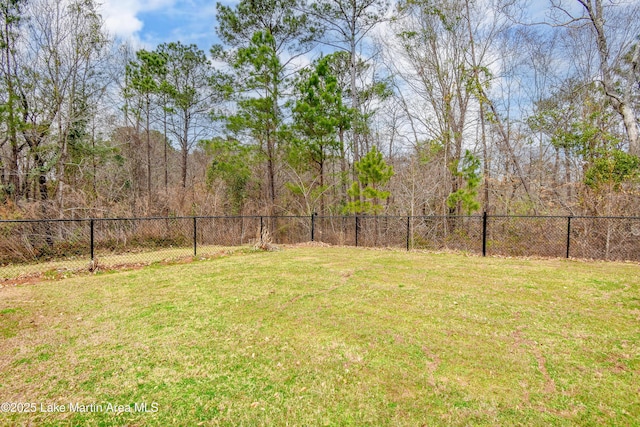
(367, 192)
(467, 195)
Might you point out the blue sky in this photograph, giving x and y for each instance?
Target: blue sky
(146, 23)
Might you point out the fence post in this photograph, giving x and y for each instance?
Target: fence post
(568, 234)
(357, 229)
(313, 224)
(91, 243)
(261, 229)
(484, 233)
(195, 236)
(408, 231)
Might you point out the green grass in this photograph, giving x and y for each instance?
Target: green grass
(330, 336)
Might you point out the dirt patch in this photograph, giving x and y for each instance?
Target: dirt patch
(309, 245)
(24, 280)
(61, 273)
(521, 341)
(432, 364)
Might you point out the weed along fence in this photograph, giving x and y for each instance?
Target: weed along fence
(29, 246)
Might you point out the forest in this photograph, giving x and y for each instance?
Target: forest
(335, 107)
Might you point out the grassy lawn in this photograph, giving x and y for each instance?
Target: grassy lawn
(329, 336)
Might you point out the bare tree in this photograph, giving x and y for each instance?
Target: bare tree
(58, 80)
(430, 58)
(613, 28)
(10, 14)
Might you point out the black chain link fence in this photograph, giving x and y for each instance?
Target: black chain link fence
(527, 236)
(54, 247)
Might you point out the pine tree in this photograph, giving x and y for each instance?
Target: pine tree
(373, 173)
(467, 195)
(320, 117)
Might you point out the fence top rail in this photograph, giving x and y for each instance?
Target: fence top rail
(635, 218)
(147, 218)
(165, 218)
(565, 217)
(31, 220)
(535, 216)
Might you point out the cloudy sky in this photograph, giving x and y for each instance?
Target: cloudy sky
(150, 22)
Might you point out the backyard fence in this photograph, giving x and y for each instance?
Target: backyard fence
(28, 246)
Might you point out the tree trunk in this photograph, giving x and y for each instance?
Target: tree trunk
(620, 102)
(185, 154)
(567, 174)
(343, 169)
(166, 165)
(14, 178)
(485, 170)
(321, 166)
(148, 140)
(44, 196)
(631, 126)
(355, 102)
(485, 163)
(271, 177)
(185, 149)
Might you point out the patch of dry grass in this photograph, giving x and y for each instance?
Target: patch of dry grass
(104, 261)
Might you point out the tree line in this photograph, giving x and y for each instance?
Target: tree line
(408, 107)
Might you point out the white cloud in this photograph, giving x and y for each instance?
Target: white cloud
(121, 16)
(147, 23)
